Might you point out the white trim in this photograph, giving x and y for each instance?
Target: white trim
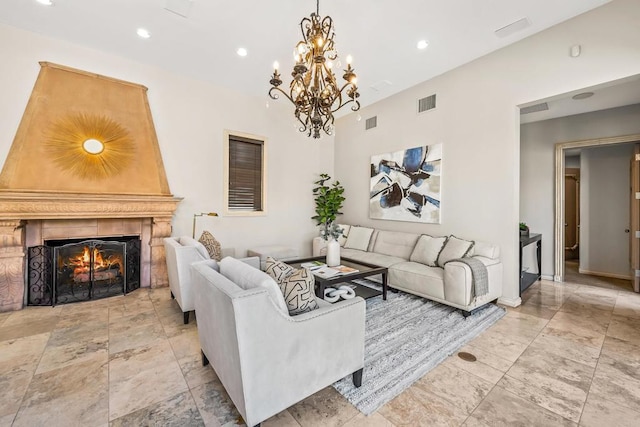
(547, 277)
(510, 302)
(602, 274)
(558, 234)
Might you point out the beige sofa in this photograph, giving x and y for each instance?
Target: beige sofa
(451, 284)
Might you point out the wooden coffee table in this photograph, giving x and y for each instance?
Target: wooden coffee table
(364, 270)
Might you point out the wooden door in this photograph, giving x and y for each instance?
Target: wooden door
(635, 218)
(571, 213)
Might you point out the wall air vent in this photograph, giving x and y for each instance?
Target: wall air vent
(543, 106)
(426, 104)
(371, 123)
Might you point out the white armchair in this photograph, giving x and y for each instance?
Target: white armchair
(180, 252)
(266, 359)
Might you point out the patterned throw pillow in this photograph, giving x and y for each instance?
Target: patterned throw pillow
(297, 286)
(298, 291)
(212, 245)
(278, 270)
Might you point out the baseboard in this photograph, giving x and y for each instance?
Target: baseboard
(600, 273)
(548, 277)
(515, 302)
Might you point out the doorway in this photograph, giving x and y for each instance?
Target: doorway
(562, 237)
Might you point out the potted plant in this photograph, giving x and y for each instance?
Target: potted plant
(329, 200)
(524, 229)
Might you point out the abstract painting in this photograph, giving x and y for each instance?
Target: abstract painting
(405, 185)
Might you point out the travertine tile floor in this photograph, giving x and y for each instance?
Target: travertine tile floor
(569, 355)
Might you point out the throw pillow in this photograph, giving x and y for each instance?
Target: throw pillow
(278, 270)
(427, 250)
(454, 248)
(358, 238)
(298, 289)
(345, 233)
(212, 245)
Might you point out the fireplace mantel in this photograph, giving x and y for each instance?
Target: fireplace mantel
(38, 205)
(19, 208)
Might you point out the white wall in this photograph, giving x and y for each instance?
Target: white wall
(569, 162)
(604, 210)
(190, 117)
(537, 164)
(477, 121)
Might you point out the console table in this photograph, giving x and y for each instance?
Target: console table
(527, 279)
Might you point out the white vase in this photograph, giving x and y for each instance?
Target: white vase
(333, 253)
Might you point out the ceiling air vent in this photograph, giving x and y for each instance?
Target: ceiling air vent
(371, 123)
(543, 106)
(426, 104)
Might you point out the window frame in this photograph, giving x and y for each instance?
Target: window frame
(228, 136)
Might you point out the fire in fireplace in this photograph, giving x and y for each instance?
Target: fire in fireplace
(64, 271)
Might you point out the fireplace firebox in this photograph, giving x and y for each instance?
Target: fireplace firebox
(74, 270)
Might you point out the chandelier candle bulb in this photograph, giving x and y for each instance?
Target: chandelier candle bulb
(314, 91)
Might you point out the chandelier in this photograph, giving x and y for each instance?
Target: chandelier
(314, 90)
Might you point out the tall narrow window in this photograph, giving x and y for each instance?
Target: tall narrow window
(245, 174)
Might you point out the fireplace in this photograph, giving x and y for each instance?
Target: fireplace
(74, 270)
(52, 187)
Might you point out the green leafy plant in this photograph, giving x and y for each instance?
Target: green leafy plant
(329, 200)
(524, 226)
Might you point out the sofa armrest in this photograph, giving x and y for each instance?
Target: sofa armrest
(458, 282)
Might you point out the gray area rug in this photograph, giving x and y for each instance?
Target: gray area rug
(405, 337)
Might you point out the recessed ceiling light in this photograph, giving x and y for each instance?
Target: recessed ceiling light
(422, 44)
(241, 51)
(583, 95)
(145, 34)
(45, 2)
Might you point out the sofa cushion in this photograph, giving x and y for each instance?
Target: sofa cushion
(211, 245)
(298, 289)
(188, 241)
(485, 249)
(278, 270)
(359, 238)
(427, 250)
(370, 257)
(454, 248)
(418, 278)
(248, 277)
(395, 243)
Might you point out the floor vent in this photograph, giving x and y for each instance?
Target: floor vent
(371, 123)
(543, 106)
(426, 104)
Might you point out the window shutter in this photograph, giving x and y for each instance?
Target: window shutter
(245, 174)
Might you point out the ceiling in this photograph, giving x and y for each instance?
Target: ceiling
(613, 94)
(381, 35)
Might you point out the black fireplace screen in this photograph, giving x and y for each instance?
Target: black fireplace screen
(71, 271)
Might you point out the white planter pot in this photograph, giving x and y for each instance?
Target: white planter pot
(333, 253)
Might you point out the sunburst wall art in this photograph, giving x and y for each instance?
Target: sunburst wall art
(405, 185)
(89, 146)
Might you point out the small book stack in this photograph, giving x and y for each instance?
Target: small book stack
(329, 272)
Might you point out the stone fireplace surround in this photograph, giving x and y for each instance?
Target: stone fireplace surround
(28, 219)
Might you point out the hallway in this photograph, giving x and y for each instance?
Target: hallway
(571, 275)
